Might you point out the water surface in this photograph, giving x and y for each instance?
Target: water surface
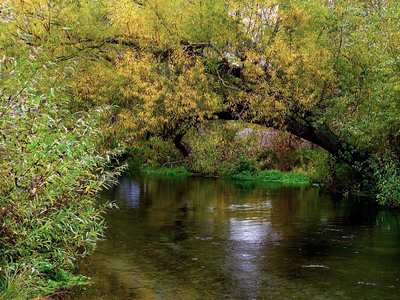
(208, 238)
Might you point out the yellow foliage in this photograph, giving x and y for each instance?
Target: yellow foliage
(162, 65)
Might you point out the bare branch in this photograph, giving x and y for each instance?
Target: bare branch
(215, 47)
(223, 83)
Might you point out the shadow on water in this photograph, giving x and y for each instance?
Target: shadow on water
(207, 238)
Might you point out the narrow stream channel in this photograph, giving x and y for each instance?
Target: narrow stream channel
(209, 238)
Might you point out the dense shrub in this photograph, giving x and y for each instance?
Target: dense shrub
(226, 149)
(153, 153)
(383, 179)
(50, 173)
(217, 150)
(316, 164)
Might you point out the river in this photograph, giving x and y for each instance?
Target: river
(211, 238)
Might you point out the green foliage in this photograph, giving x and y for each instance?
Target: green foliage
(389, 220)
(246, 168)
(308, 166)
(205, 158)
(274, 175)
(50, 173)
(384, 179)
(211, 148)
(244, 165)
(166, 171)
(317, 165)
(269, 156)
(218, 149)
(17, 280)
(153, 153)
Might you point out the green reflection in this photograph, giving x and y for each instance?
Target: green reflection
(207, 238)
(389, 220)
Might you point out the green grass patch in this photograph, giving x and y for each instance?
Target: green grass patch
(274, 176)
(165, 171)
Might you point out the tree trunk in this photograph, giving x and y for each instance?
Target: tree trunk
(180, 145)
(321, 136)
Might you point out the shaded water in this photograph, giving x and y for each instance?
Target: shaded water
(206, 238)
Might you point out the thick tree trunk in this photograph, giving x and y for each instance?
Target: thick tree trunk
(321, 136)
(180, 145)
(326, 139)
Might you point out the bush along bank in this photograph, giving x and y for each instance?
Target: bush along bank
(309, 167)
(218, 149)
(50, 174)
(227, 149)
(273, 175)
(247, 169)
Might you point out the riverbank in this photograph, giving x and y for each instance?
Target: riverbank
(262, 176)
(308, 167)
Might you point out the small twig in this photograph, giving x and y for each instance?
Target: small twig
(195, 46)
(322, 94)
(229, 87)
(244, 106)
(215, 47)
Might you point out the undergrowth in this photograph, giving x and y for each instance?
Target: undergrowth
(50, 172)
(382, 179)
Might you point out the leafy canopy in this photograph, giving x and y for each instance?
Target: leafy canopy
(164, 65)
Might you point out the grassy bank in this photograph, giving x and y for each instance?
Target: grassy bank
(244, 175)
(165, 171)
(222, 150)
(273, 175)
(266, 175)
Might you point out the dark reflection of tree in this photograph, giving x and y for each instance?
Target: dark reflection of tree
(389, 219)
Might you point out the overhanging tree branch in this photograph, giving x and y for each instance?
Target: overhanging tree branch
(320, 135)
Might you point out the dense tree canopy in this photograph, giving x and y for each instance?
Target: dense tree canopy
(323, 70)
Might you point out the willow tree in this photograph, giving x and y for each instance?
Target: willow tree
(326, 71)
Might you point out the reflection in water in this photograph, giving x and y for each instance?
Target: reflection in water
(129, 190)
(200, 238)
(245, 254)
